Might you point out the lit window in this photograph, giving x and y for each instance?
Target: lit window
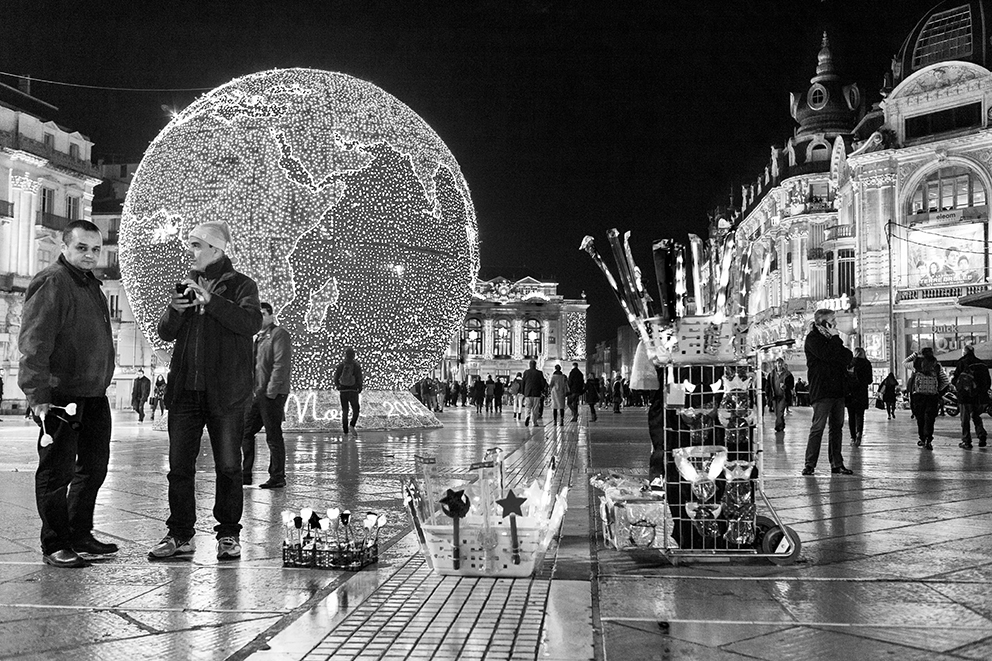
(502, 338)
(472, 336)
(532, 338)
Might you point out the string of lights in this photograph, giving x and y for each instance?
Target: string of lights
(104, 87)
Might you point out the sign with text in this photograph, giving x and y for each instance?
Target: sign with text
(947, 255)
(320, 410)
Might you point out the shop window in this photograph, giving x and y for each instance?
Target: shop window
(948, 188)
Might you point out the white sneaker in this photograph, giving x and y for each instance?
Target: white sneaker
(228, 548)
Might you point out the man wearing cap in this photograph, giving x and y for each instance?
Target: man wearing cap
(212, 321)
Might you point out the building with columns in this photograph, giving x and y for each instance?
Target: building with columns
(881, 211)
(509, 323)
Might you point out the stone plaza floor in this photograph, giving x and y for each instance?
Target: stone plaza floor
(896, 560)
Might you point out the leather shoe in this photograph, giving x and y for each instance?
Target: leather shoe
(276, 484)
(64, 559)
(808, 470)
(93, 546)
(843, 470)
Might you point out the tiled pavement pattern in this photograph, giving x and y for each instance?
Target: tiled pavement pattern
(896, 560)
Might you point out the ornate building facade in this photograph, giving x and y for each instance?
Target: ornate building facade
(511, 323)
(884, 212)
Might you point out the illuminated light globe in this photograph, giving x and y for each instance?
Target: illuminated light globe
(345, 207)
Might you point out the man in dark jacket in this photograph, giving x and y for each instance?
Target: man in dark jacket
(67, 357)
(212, 322)
(576, 388)
(349, 380)
(826, 362)
(273, 361)
(533, 389)
(140, 391)
(971, 380)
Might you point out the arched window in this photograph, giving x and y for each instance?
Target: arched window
(533, 337)
(819, 152)
(502, 338)
(946, 189)
(472, 336)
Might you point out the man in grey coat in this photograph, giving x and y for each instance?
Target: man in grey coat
(273, 363)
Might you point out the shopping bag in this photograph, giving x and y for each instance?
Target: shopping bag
(879, 404)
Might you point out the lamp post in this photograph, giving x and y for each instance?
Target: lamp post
(892, 301)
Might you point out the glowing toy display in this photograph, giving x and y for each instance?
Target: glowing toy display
(344, 205)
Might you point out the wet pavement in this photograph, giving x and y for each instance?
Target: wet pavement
(896, 560)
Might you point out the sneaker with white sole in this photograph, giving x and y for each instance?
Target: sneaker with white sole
(228, 548)
(171, 547)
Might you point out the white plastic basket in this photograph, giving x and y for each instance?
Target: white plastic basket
(533, 537)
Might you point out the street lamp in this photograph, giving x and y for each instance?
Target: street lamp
(892, 301)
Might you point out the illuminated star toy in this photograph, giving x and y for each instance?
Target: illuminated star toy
(511, 504)
(455, 503)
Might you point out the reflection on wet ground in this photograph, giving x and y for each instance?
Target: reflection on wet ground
(895, 560)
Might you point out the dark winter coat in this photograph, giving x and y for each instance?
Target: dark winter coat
(857, 397)
(273, 362)
(889, 386)
(359, 385)
(66, 344)
(225, 331)
(980, 396)
(140, 391)
(534, 383)
(576, 382)
(592, 391)
(826, 366)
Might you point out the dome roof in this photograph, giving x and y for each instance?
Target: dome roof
(828, 106)
(951, 30)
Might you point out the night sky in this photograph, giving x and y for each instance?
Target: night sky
(568, 118)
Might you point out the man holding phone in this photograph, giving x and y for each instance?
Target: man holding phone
(826, 361)
(213, 317)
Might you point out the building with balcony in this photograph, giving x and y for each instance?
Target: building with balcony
(890, 208)
(509, 323)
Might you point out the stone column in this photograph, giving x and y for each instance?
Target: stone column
(487, 338)
(518, 338)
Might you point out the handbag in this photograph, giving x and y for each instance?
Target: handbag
(879, 404)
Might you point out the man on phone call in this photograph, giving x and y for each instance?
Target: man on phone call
(826, 361)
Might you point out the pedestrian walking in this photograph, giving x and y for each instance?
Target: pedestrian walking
(140, 391)
(273, 367)
(490, 393)
(971, 382)
(576, 389)
(498, 391)
(856, 399)
(559, 389)
(478, 393)
(826, 363)
(929, 381)
(889, 391)
(617, 394)
(517, 393)
(349, 380)
(533, 386)
(157, 400)
(592, 395)
(780, 383)
(212, 318)
(67, 357)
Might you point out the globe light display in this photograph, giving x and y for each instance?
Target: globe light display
(344, 206)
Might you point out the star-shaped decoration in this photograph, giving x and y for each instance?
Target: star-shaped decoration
(511, 504)
(738, 470)
(455, 504)
(737, 383)
(534, 493)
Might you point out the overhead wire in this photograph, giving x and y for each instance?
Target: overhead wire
(107, 88)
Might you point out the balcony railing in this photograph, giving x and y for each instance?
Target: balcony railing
(6, 209)
(929, 293)
(838, 232)
(52, 222)
(55, 157)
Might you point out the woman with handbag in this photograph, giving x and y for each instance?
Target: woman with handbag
(888, 392)
(929, 381)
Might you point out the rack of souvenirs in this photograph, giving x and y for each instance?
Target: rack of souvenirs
(633, 512)
(339, 540)
(483, 528)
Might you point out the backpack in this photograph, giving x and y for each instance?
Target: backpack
(966, 384)
(347, 377)
(925, 384)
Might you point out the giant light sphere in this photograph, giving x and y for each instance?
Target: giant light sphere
(345, 207)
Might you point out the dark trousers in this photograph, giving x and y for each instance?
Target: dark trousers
(349, 398)
(188, 416)
(592, 410)
(856, 420)
(826, 413)
(925, 410)
(139, 408)
(268, 413)
(972, 413)
(71, 471)
(890, 409)
(158, 405)
(573, 404)
(778, 406)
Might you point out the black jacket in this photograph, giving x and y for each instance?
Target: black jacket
(230, 321)
(534, 383)
(66, 343)
(858, 396)
(980, 397)
(826, 365)
(576, 382)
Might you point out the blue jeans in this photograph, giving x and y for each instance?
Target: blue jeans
(826, 412)
(71, 471)
(187, 418)
(268, 413)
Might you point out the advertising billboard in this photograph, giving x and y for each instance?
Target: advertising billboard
(946, 255)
